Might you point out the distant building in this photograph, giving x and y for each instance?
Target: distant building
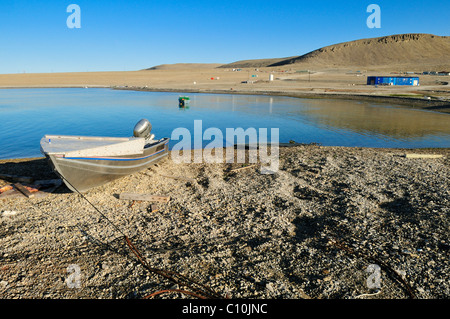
(392, 80)
(436, 73)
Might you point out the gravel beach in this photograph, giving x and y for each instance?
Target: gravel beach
(331, 223)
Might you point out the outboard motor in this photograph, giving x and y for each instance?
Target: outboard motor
(143, 129)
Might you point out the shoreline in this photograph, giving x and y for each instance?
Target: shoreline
(440, 106)
(424, 104)
(421, 150)
(244, 234)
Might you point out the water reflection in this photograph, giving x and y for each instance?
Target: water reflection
(27, 114)
(357, 116)
(376, 118)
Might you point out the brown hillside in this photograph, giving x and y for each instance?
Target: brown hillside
(256, 63)
(183, 66)
(416, 51)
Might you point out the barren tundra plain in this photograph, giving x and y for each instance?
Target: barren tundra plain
(338, 70)
(331, 223)
(432, 94)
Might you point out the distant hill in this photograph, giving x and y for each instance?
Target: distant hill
(415, 51)
(257, 63)
(180, 66)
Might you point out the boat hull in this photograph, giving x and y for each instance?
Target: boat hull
(84, 173)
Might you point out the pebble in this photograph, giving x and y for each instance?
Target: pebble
(8, 213)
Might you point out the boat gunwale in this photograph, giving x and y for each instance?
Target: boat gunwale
(164, 141)
(88, 138)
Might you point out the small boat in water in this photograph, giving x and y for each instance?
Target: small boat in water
(183, 101)
(85, 162)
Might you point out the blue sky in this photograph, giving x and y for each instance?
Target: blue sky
(137, 34)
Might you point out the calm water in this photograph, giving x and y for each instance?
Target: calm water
(27, 114)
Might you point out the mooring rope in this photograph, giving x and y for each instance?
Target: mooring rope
(200, 290)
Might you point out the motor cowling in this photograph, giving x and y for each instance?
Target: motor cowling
(143, 128)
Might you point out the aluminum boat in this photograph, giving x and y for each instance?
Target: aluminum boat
(85, 162)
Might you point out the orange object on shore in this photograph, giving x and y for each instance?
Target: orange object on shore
(32, 189)
(5, 188)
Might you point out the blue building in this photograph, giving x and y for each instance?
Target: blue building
(392, 80)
